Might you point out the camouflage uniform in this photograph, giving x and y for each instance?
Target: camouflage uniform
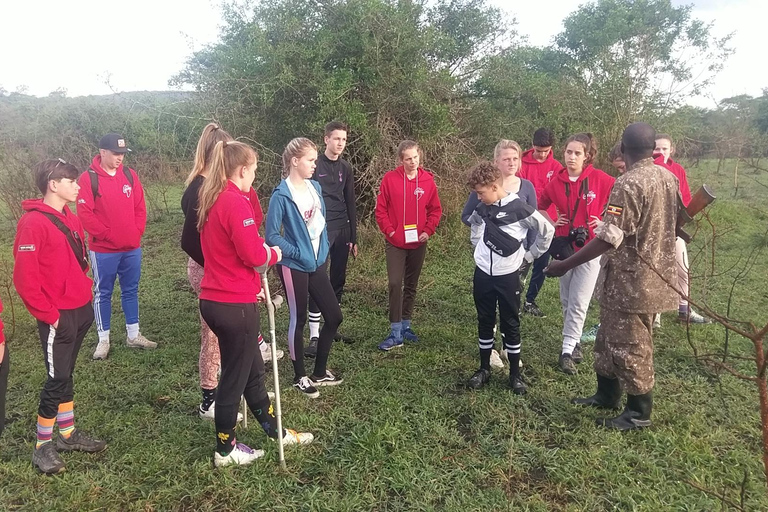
(640, 225)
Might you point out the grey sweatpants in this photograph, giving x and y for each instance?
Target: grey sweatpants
(576, 288)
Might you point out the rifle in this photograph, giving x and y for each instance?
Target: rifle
(700, 200)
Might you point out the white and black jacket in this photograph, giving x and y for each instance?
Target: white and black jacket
(505, 225)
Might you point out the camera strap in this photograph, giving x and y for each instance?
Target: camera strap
(583, 190)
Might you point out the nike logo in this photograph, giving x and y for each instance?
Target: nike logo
(501, 215)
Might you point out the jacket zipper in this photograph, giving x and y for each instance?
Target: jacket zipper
(306, 228)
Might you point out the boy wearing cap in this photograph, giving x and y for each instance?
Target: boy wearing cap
(112, 210)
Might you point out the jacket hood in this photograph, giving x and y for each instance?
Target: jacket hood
(562, 174)
(528, 158)
(421, 173)
(32, 205)
(96, 166)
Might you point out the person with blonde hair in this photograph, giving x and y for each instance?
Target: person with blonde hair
(296, 224)
(229, 292)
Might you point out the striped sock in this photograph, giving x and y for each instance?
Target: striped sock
(44, 430)
(261, 340)
(66, 419)
(486, 346)
(314, 324)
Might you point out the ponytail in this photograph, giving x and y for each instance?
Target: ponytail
(227, 157)
(589, 142)
(212, 133)
(295, 149)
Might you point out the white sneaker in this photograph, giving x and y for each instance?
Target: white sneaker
(293, 437)
(271, 396)
(657, 321)
(210, 414)
(496, 360)
(102, 350)
(241, 455)
(266, 352)
(140, 342)
(505, 358)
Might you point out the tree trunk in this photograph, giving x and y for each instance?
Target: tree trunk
(763, 386)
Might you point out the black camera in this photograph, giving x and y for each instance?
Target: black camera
(578, 236)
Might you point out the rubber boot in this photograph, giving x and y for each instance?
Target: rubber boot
(607, 396)
(636, 415)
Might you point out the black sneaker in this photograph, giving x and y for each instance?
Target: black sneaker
(46, 459)
(577, 354)
(532, 309)
(311, 350)
(517, 385)
(567, 365)
(80, 442)
(345, 339)
(305, 386)
(479, 379)
(328, 379)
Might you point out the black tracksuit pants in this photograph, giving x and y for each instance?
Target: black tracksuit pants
(503, 290)
(60, 349)
(4, 366)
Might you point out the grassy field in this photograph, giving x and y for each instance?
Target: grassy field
(402, 432)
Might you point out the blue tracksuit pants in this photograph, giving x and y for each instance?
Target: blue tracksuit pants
(125, 266)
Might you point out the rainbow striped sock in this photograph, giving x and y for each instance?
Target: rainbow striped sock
(44, 430)
(66, 419)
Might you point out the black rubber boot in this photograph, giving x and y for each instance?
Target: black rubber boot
(607, 396)
(636, 415)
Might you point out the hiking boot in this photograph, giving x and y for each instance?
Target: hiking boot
(517, 385)
(479, 379)
(210, 413)
(636, 415)
(240, 455)
(693, 317)
(140, 342)
(390, 343)
(577, 354)
(80, 442)
(328, 379)
(342, 338)
(102, 350)
(496, 361)
(567, 365)
(47, 460)
(532, 309)
(305, 386)
(607, 396)
(311, 350)
(409, 335)
(591, 335)
(657, 321)
(266, 352)
(292, 437)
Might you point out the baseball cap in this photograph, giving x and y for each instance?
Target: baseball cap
(114, 142)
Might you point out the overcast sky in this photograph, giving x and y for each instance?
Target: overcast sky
(81, 45)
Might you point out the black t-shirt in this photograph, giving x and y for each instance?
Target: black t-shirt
(338, 184)
(190, 237)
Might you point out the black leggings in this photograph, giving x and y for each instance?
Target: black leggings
(3, 385)
(242, 369)
(299, 286)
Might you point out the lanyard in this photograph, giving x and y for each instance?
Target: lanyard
(405, 199)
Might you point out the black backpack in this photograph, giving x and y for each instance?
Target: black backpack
(73, 237)
(95, 179)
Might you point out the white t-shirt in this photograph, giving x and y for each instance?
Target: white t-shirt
(309, 206)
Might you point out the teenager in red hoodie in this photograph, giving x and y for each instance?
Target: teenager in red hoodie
(663, 157)
(408, 211)
(580, 193)
(50, 275)
(115, 218)
(233, 249)
(538, 165)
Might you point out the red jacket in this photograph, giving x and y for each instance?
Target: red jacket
(116, 219)
(422, 208)
(232, 248)
(676, 169)
(46, 273)
(539, 173)
(592, 202)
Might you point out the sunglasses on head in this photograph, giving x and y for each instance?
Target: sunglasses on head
(60, 162)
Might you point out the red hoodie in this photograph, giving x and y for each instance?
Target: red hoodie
(676, 169)
(423, 207)
(539, 173)
(116, 219)
(595, 199)
(46, 273)
(232, 248)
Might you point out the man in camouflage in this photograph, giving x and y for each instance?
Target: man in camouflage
(639, 232)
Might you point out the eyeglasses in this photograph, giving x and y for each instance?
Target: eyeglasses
(60, 162)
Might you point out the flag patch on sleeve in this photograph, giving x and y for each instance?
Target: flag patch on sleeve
(612, 209)
(27, 248)
(248, 222)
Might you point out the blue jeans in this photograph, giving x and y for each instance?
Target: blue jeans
(537, 277)
(125, 266)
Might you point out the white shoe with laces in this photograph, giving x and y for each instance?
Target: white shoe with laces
(496, 361)
(102, 350)
(240, 455)
(266, 352)
(293, 437)
(140, 342)
(210, 414)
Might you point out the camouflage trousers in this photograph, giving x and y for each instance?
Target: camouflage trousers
(624, 350)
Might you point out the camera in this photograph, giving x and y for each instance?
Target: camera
(578, 236)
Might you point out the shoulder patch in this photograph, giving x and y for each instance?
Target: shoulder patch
(248, 222)
(27, 248)
(612, 209)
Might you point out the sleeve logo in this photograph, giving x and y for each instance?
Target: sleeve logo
(614, 210)
(248, 222)
(27, 248)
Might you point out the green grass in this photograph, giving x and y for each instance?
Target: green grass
(402, 432)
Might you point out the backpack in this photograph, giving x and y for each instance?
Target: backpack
(95, 179)
(73, 237)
